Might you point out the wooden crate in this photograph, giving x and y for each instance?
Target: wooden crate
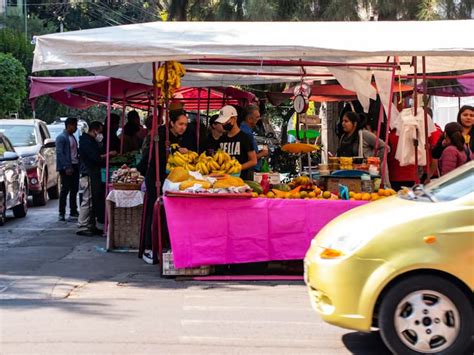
(170, 270)
(124, 227)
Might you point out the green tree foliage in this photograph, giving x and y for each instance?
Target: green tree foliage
(12, 84)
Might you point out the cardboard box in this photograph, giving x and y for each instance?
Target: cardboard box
(273, 177)
(354, 184)
(170, 270)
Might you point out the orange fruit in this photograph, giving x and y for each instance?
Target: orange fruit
(312, 194)
(392, 191)
(261, 195)
(351, 194)
(317, 191)
(254, 194)
(303, 194)
(381, 192)
(374, 196)
(366, 197)
(326, 194)
(358, 196)
(288, 195)
(387, 193)
(270, 194)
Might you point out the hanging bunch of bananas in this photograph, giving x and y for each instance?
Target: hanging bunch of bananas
(168, 77)
(219, 163)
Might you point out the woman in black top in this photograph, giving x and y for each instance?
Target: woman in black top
(177, 127)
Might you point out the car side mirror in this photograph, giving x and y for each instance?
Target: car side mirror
(10, 156)
(49, 143)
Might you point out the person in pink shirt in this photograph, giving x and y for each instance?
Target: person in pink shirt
(456, 152)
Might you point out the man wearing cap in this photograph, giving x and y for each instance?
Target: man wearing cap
(236, 143)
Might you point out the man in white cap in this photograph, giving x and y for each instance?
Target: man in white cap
(236, 143)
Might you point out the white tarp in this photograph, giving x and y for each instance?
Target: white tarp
(126, 51)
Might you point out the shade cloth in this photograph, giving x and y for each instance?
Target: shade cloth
(207, 231)
(463, 87)
(85, 91)
(127, 51)
(126, 198)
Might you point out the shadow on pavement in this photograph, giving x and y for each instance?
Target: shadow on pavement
(365, 343)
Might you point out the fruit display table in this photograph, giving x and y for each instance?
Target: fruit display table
(213, 231)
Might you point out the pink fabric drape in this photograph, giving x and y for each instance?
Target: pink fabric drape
(212, 231)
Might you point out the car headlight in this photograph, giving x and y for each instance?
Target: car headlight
(340, 246)
(30, 161)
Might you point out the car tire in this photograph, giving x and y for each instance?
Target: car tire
(426, 314)
(21, 210)
(3, 214)
(40, 199)
(53, 192)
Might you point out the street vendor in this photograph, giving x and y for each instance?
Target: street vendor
(214, 135)
(235, 142)
(177, 126)
(354, 134)
(251, 118)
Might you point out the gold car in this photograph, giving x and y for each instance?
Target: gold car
(404, 265)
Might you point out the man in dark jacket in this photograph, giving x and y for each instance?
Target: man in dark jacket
(90, 182)
(67, 164)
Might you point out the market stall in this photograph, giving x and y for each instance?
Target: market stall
(217, 54)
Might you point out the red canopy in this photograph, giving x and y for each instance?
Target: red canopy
(86, 91)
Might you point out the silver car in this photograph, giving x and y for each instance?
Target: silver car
(13, 182)
(32, 141)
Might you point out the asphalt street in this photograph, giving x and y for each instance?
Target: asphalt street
(63, 294)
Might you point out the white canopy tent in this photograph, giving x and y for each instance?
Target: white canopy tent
(256, 52)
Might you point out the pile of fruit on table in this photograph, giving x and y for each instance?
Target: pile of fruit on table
(219, 163)
(303, 187)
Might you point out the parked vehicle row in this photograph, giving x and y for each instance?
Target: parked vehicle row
(28, 164)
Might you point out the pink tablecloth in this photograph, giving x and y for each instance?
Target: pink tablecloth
(211, 231)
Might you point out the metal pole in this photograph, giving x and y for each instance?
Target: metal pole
(415, 111)
(124, 102)
(198, 121)
(389, 116)
(107, 151)
(425, 117)
(26, 19)
(208, 105)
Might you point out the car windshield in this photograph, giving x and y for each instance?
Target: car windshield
(452, 186)
(55, 130)
(19, 135)
(459, 185)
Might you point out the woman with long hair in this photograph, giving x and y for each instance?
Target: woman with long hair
(357, 141)
(178, 122)
(465, 118)
(456, 152)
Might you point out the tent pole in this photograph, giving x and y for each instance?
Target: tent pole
(123, 120)
(415, 111)
(425, 117)
(107, 151)
(198, 121)
(208, 106)
(389, 116)
(156, 224)
(379, 127)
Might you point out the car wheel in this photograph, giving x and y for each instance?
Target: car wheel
(21, 210)
(41, 198)
(53, 192)
(426, 314)
(3, 214)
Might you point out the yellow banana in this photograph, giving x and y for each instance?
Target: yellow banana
(204, 169)
(179, 161)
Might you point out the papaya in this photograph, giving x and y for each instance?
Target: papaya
(189, 183)
(178, 174)
(255, 186)
(282, 187)
(279, 193)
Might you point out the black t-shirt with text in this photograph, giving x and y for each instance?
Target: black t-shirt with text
(238, 147)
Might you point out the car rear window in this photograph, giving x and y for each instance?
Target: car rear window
(20, 136)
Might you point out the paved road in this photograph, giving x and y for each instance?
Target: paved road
(62, 294)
